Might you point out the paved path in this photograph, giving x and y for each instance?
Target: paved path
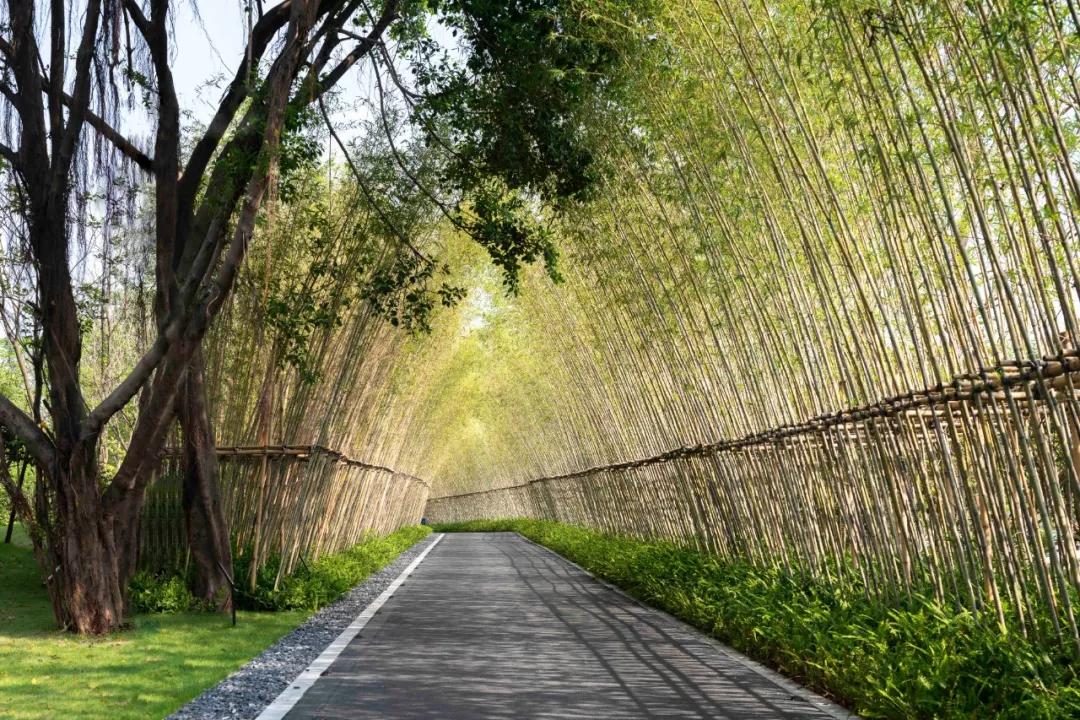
(491, 626)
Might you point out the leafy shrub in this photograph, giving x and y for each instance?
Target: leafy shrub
(311, 587)
(151, 593)
(317, 584)
(909, 658)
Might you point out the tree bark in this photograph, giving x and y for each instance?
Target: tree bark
(207, 530)
(86, 580)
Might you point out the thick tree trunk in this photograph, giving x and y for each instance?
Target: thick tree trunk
(126, 515)
(207, 531)
(92, 601)
(86, 581)
(87, 539)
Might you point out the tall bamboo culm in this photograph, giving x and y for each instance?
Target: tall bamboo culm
(824, 315)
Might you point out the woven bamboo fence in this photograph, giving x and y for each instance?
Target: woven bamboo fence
(295, 502)
(836, 272)
(970, 489)
(827, 302)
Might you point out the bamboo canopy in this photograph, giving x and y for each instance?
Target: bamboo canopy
(822, 315)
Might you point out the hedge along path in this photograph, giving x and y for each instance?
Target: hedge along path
(843, 241)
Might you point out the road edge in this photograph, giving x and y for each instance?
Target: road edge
(291, 695)
(838, 712)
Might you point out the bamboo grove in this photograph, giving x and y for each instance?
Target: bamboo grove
(821, 314)
(824, 314)
(309, 459)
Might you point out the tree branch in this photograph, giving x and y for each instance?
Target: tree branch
(153, 418)
(54, 82)
(81, 98)
(137, 16)
(122, 393)
(107, 131)
(186, 320)
(23, 427)
(224, 187)
(10, 155)
(264, 31)
(97, 122)
(400, 162)
(368, 195)
(33, 147)
(121, 143)
(390, 13)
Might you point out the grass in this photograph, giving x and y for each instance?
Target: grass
(164, 661)
(912, 658)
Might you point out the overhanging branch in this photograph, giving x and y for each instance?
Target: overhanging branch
(10, 155)
(121, 143)
(24, 428)
(137, 16)
(261, 35)
(107, 131)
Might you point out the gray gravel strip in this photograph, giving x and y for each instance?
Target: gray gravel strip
(254, 686)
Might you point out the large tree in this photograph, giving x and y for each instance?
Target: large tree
(508, 109)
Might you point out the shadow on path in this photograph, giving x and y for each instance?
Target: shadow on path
(490, 626)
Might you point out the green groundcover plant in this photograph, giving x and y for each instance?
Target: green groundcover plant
(908, 658)
(312, 586)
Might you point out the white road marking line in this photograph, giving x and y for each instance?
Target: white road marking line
(284, 702)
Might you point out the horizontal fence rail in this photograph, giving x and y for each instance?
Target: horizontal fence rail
(992, 383)
(298, 452)
(294, 503)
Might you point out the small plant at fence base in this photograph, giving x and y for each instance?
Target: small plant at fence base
(310, 587)
(909, 658)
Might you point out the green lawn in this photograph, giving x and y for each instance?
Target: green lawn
(146, 672)
(166, 659)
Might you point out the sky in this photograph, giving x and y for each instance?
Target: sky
(209, 44)
(210, 37)
(206, 49)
